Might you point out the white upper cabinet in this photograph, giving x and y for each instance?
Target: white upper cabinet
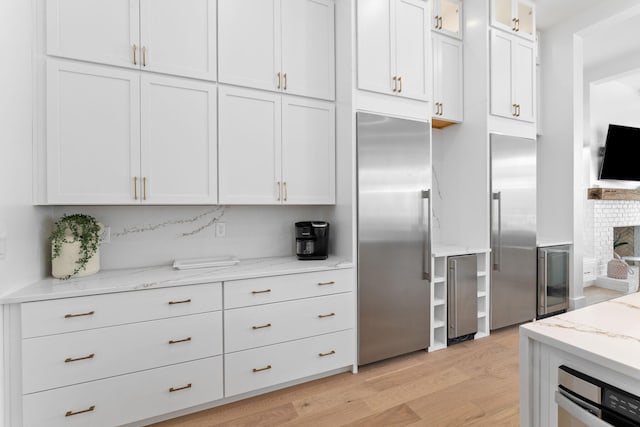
(447, 17)
(512, 77)
(392, 47)
(447, 79)
(93, 133)
(179, 150)
(168, 36)
(98, 152)
(285, 156)
(278, 45)
(516, 16)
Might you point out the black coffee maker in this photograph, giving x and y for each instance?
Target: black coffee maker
(312, 240)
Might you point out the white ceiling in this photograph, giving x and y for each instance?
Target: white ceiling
(613, 41)
(551, 12)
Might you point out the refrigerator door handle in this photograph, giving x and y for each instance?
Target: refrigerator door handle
(542, 282)
(426, 246)
(452, 299)
(497, 249)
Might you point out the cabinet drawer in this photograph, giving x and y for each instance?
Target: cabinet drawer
(96, 311)
(127, 398)
(242, 293)
(257, 326)
(266, 366)
(65, 359)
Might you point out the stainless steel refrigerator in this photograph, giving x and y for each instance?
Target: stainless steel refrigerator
(513, 230)
(394, 179)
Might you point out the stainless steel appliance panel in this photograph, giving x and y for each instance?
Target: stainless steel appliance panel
(394, 166)
(553, 279)
(462, 295)
(513, 230)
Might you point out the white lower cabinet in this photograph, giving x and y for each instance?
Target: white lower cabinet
(266, 366)
(127, 398)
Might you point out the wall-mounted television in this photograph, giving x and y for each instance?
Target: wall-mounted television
(621, 154)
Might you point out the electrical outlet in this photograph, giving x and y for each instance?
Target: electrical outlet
(105, 237)
(221, 229)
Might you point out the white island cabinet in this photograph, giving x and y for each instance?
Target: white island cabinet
(599, 343)
(136, 346)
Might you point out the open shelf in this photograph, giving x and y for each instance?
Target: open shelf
(439, 301)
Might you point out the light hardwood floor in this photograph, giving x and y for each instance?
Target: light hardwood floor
(468, 384)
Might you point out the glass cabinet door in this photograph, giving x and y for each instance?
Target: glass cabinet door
(557, 277)
(450, 11)
(526, 19)
(503, 14)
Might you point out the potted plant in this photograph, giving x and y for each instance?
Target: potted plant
(75, 246)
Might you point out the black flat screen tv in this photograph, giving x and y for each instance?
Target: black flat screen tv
(621, 154)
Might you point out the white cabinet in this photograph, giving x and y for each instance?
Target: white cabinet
(512, 77)
(278, 45)
(392, 47)
(515, 16)
(285, 156)
(447, 17)
(167, 36)
(447, 80)
(97, 152)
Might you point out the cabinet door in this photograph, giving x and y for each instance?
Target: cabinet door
(411, 29)
(249, 146)
(376, 55)
(502, 103)
(450, 78)
(249, 43)
(308, 55)
(308, 151)
(524, 79)
(503, 15)
(94, 30)
(179, 37)
(526, 25)
(179, 151)
(447, 17)
(93, 133)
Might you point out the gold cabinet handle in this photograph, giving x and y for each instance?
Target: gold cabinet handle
(180, 302)
(284, 78)
(262, 369)
(266, 291)
(135, 188)
(278, 85)
(395, 84)
(172, 389)
(144, 188)
(135, 50)
(400, 81)
(440, 19)
(327, 354)
(71, 359)
(279, 191)
(268, 325)
(144, 56)
(322, 316)
(441, 108)
(88, 313)
(71, 413)
(518, 25)
(182, 340)
(513, 27)
(437, 22)
(326, 283)
(515, 110)
(286, 191)
(518, 109)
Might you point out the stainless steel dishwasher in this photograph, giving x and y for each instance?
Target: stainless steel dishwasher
(462, 297)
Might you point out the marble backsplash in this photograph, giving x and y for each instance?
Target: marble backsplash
(156, 235)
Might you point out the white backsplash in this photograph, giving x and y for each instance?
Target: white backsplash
(156, 235)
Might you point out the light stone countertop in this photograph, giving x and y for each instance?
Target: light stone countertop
(133, 279)
(607, 334)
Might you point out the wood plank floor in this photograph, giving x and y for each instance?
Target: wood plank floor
(468, 384)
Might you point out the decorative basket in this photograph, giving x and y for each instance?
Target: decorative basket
(617, 268)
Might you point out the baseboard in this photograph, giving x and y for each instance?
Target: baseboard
(620, 285)
(576, 303)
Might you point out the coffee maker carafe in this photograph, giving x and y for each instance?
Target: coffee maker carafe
(312, 240)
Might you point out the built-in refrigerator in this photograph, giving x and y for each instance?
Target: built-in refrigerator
(394, 259)
(513, 230)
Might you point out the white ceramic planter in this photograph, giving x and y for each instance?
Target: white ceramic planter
(65, 263)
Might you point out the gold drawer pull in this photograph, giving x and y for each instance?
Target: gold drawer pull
(71, 413)
(327, 354)
(262, 369)
(71, 359)
(177, 341)
(180, 302)
(268, 325)
(326, 283)
(322, 316)
(88, 313)
(266, 291)
(171, 390)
